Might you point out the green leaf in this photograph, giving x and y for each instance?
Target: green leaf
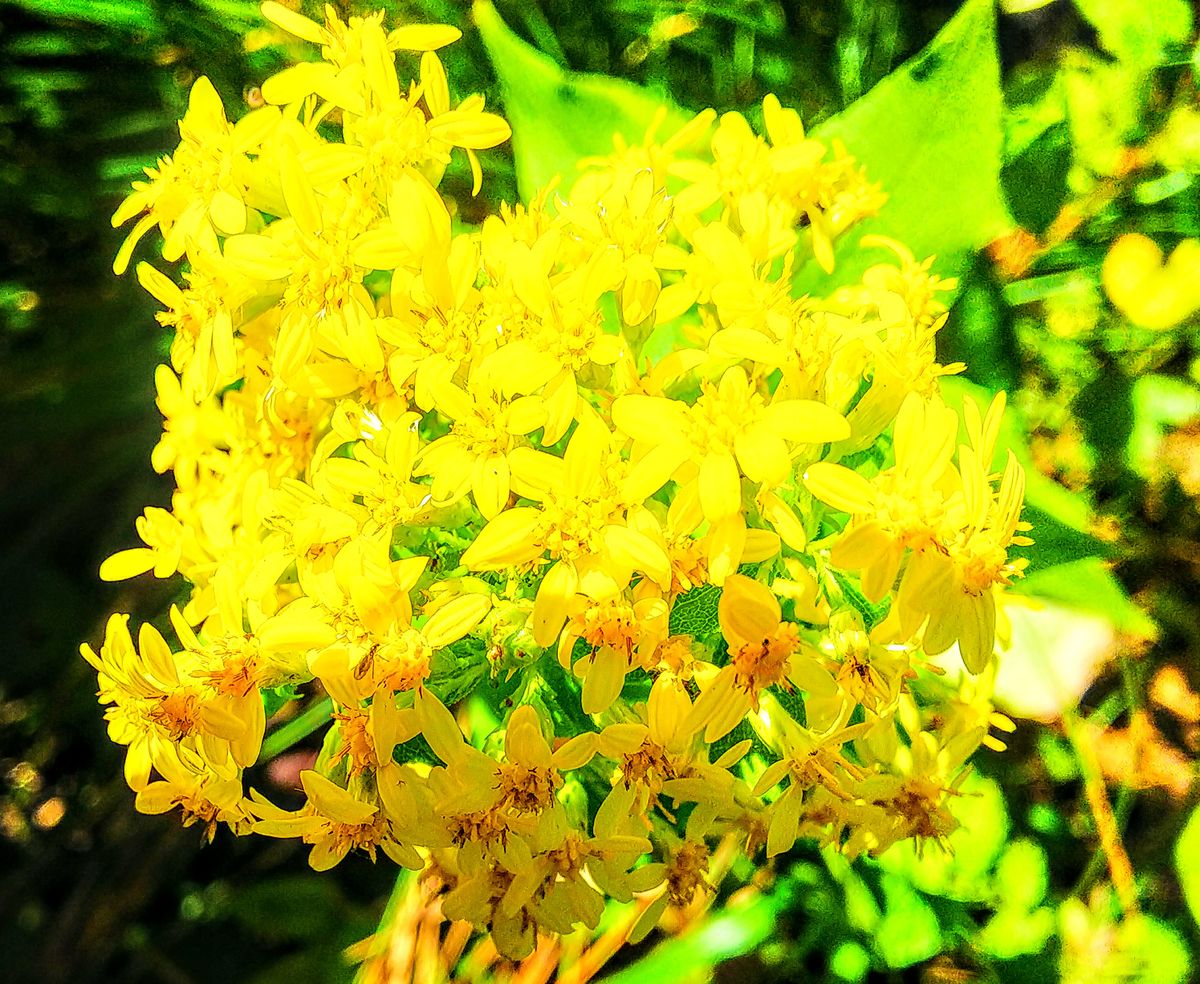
(276, 698)
(297, 729)
(1088, 585)
(1187, 863)
(695, 612)
(908, 932)
(455, 672)
(127, 15)
(931, 134)
(1151, 952)
(1014, 932)
(1054, 655)
(557, 116)
(1139, 31)
(1022, 876)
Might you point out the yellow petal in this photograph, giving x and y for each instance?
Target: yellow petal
(554, 595)
(603, 681)
(720, 486)
(636, 551)
(807, 421)
(840, 487)
(455, 619)
(748, 611)
(783, 520)
(423, 37)
(762, 455)
(652, 419)
(506, 541)
(977, 631)
(334, 802)
(726, 545)
(476, 131)
(127, 563)
(294, 23)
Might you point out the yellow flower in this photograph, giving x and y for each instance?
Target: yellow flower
(486, 426)
(334, 822)
(956, 526)
(764, 652)
(200, 192)
(359, 76)
(409, 454)
(202, 797)
(580, 524)
(730, 432)
(157, 707)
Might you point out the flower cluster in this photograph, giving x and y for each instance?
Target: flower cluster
(679, 598)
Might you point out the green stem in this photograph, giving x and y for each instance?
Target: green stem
(296, 730)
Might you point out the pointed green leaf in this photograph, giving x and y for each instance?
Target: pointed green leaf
(1087, 585)
(559, 117)
(931, 134)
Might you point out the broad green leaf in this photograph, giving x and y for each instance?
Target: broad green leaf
(1151, 952)
(1022, 876)
(1014, 932)
(559, 117)
(931, 134)
(1088, 585)
(1187, 863)
(1139, 31)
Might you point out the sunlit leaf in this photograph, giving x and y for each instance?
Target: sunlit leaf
(1088, 585)
(558, 117)
(908, 932)
(1055, 655)
(1187, 863)
(931, 134)
(694, 953)
(695, 612)
(1139, 31)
